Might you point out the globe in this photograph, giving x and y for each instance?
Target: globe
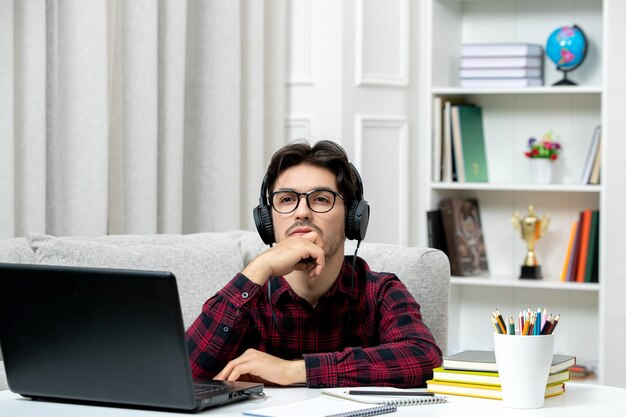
(567, 48)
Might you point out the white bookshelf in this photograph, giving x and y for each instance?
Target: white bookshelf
(510, 117)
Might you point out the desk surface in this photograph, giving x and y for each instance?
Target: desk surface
(578, 400)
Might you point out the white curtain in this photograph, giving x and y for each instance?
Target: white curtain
(137, 116)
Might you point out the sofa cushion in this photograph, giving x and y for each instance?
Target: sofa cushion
(202, 263)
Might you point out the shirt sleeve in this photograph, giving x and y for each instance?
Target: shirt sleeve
(405, 356)
(219, 333)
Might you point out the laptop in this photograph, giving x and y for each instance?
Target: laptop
(105, 336)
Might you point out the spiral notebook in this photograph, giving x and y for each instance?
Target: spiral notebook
(401, 399)
(332, 403)
(322, 406)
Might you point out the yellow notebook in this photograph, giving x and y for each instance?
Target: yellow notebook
(486, 378)
(493, 392)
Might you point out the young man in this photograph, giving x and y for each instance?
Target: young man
(302, 312)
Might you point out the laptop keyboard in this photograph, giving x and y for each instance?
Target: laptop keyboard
(205, 390)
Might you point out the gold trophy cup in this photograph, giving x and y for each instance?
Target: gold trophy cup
(532, 229)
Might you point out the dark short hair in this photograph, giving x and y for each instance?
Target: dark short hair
(324, 154)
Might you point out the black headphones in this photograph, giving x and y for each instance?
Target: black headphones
(357, 216)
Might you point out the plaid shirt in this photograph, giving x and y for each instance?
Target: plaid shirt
(367, 334)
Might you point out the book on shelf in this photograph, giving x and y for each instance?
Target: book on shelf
(485, 361)
(501, 73)
(590, 160)
(436, 233)
(469, 143)
(493, 392)
(581, 259)
(464, 237)
(594, 178)
(591, 267)
(437, 130)
(443, 136)
(486, 378)
(501, 82)
(502, 62)
(569, 253)
(457, 146)
(585, 224)
(501, 49)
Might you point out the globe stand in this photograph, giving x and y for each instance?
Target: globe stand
(565, 80)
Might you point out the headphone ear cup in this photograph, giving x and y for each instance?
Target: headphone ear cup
(263, 222)
(357, 219)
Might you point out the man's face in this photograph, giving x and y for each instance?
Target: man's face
(329, 226)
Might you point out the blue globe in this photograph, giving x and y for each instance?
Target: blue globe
(567, 47)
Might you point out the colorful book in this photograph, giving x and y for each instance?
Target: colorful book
(493, 392)
(592, 250)
(568, 255)
(584, 245)
(486, 378)
(464, 237)
(485, 361)
(573, 266)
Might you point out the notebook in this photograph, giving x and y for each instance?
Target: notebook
(322, 406)
(105, 336)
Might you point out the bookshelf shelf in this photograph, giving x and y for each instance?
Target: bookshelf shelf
(548, 90)
(551, 188)
(525, 284)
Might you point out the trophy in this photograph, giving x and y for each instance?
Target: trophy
(531, 228)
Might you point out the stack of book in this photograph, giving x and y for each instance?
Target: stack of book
(581, 259)
(473, 373)
(501, 65)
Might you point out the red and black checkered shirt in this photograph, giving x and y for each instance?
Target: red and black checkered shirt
(369, 333)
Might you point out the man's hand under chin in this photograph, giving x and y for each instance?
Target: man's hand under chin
(262, 367)
(303, 252)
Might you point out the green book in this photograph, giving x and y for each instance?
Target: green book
(592, 250)
(473, 143)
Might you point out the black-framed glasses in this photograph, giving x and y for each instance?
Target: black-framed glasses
(319, 201)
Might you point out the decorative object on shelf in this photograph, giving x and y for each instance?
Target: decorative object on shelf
(532, 229)
(464, 237)
(567, 48)
(542, 155)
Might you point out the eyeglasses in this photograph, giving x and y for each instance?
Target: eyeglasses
(319, 201)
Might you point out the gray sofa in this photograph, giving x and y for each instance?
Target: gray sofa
(204, 262)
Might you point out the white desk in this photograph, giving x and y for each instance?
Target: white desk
(582, 400)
